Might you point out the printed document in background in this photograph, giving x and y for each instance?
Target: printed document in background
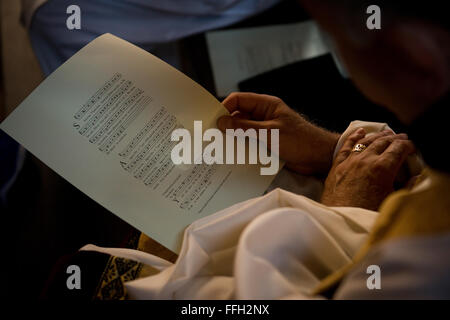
(103, 121)
(239, 54)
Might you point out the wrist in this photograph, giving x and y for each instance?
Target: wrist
(315, 156)
(325, 151)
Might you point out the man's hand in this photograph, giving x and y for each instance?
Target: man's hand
(365, 179)
(305, 147)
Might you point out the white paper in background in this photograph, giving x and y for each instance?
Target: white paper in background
(239, 54)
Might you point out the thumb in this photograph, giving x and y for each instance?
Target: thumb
(231, 122)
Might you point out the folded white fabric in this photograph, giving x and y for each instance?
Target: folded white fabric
(276, 246)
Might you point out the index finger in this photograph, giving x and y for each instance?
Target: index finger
(255, 104)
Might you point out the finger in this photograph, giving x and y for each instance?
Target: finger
(368, 140)
(241, 115)
(349, 144)
(258, 105)
(381, 144)
(395, 155)
(231, 122)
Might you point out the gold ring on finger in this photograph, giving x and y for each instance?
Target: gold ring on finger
(359, 147)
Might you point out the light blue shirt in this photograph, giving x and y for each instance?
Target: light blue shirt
(151, 24)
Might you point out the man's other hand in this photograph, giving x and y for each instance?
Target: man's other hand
(364, 179)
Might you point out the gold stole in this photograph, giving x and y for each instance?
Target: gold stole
(405, 213)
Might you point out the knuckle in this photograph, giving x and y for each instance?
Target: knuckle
(402, 145)
(355, 135)
(379, 166)
(404, 142)
(378, 143)
(398, 143)
(361, 163)
(340, 158)
(277, 99)
(271, 98)
(368, 140)
(386, 139)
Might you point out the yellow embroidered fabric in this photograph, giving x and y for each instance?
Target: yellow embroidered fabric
(424, 210)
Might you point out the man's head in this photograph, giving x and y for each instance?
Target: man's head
(405, 66)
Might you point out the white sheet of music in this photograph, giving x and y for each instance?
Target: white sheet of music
(239, 54)
(103, 121)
